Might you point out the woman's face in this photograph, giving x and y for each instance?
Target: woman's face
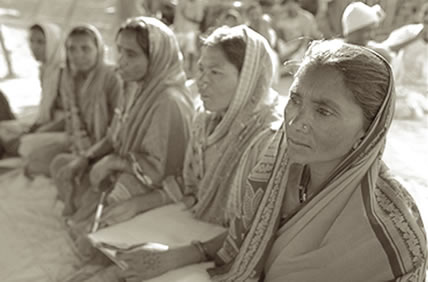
(323, 122)
(38, 44)
(82, 53)
(217, 79)
(133, 62)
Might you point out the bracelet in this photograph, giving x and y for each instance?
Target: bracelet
(202, 250)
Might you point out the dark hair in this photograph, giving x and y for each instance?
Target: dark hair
(37, 27)
(81, 30)
(231, 43)
(364, 73)
(139, 27)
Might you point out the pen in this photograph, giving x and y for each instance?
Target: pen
(99, 212)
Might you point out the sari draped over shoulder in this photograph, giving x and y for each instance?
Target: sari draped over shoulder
(150, 128)
(218, 143)
(89, 106)
(362, 226)
(49, 72)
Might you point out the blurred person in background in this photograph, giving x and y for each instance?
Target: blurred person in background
(45, 40)
(359, 24)
(89, 90)
(295, 28)
(411, 67)
(230, 18)
(189, 15)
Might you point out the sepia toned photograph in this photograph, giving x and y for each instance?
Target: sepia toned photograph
(213, 140)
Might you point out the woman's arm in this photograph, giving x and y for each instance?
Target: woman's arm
(151, 263)
(99, 150)
(57, 125)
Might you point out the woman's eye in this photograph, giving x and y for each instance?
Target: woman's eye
(324, 112)
(294, 99)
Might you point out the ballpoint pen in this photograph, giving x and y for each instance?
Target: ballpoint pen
(99, 212)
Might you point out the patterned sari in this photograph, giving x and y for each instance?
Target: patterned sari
(218, 143)
(362, 226)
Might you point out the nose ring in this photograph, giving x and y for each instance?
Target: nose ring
(305, 127)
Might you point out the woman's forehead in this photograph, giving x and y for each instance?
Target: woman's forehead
(322, 84)
(127, 39)
(212, 56)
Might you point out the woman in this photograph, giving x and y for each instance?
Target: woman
(47, 49)
(149, 132)
(320, 205)
(236, 113)
(46, 46)
(235, 75)
(89, 90)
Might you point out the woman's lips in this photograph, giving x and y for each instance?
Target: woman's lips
(296, 143)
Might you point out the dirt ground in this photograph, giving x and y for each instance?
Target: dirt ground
(406, 152)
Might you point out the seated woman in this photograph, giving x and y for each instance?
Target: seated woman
(235, 75)
(47, 49)
(89, 91)
(148, 135)
(320, 205)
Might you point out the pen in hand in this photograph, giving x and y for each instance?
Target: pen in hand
(99, 212)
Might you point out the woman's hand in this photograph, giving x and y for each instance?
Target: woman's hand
(74, 169)
(148, 263)
(104, 168)
(119, 212)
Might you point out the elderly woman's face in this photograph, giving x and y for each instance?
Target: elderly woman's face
(323, 121)
(133, 62)
(217, 79)
(82, 52)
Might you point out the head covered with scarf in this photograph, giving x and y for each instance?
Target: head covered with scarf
(250, 112)
(50, 68)
(362, 225)
(164, 71)
(88, 96)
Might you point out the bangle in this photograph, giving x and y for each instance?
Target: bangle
(202, 250)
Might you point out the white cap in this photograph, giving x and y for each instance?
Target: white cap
(358, 15)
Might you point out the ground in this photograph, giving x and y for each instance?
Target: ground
(406, 152)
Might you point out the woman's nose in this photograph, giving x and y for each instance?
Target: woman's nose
(299, 119)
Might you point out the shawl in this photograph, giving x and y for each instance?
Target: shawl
(362, 226)
(89, 110)
(49, 71)
(252, 111)
(164, 81)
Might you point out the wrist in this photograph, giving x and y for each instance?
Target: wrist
(202, 251)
